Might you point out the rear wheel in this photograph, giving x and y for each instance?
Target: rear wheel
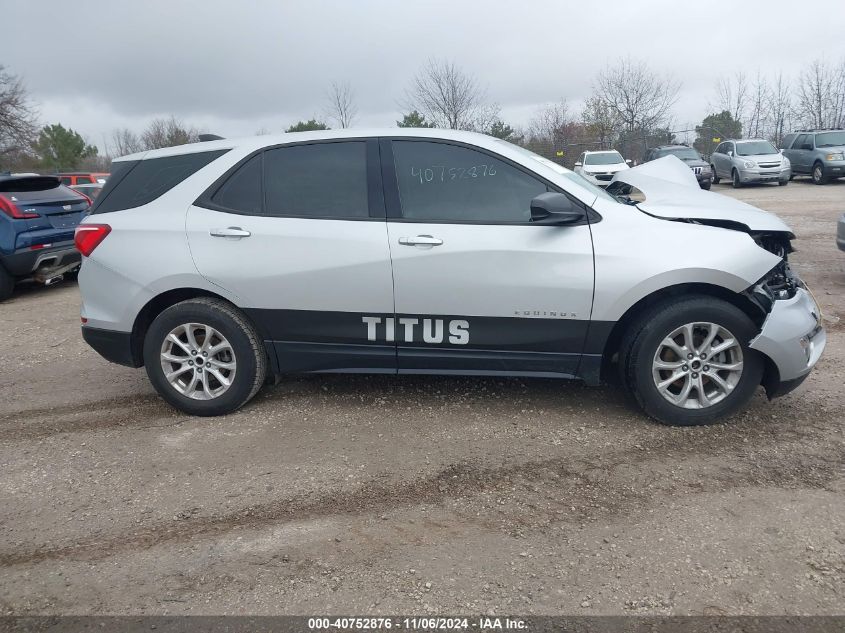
(715, 175)
(735, 181)
(687, 361)
(819, 177)
(7, 284)
(204, 357)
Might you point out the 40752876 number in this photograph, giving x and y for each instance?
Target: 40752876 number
(442, 173)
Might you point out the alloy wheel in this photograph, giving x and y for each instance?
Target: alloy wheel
(198, 361)
(697, 365)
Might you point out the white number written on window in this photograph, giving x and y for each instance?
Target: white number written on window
(442, 173)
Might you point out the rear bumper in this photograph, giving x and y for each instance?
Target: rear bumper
(793, 338)
(112, 345)
(23, 263)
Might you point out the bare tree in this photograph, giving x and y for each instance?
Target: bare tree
(640, 99)
(124, 141)
(732, 95)
(759, 97)
(600, 120)
(549, 123)
(820, 95)
(18, 117)
(778, 109)
(450, 98)
(341, 104)
(167, 133)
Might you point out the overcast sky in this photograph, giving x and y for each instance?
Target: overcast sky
(235, 67)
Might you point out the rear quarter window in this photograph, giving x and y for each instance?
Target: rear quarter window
(136, 183)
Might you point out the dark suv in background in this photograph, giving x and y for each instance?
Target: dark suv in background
(819, 154)
(691, 157)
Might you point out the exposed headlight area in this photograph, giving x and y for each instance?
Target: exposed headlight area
(835, 156)
(779, 284)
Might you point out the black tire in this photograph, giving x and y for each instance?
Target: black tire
(247, 347)
(735, 181)
(7, 284)
(783, 183)
(715, 175)
(818, 174)
(643, 338)
(706, 185)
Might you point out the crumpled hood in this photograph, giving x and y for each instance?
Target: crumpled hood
(672, 192)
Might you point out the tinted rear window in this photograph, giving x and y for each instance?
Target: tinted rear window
(242, 190)
(324, 180)
(136, 183)
(37, 188)
(29, 183)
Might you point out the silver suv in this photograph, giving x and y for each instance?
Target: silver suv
(218, 264)
(747, 161)
(817, 153)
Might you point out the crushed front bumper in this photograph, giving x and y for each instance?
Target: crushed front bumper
(793, 338)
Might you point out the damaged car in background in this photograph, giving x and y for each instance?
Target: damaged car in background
(478, 257)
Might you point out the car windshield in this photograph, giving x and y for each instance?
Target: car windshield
(605, 158)
(684, 153)
(576, 179)
(830, 139)
(755, 148)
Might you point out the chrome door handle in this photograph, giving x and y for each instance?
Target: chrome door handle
(232, 231)
(420, 240)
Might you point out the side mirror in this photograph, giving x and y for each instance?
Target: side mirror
(555, 208)
(578, 164)
(807, 146)
(628, 160)
(730, 152)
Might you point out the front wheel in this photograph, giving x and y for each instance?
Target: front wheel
(783, 183)
(204, 357)
(819, 177)
(687, 361)
(705, 185)
(715, 177)
(735, 181)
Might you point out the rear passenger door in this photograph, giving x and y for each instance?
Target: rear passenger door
(297, 232)
(479, 289)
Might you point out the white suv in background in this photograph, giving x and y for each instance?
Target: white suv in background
(599, 168)
(425, 251)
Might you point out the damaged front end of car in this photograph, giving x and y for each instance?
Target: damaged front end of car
(791, 335)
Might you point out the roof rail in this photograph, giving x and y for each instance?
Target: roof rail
(209, 137)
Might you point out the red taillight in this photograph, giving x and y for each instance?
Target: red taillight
(11, 209)
(79, 193)
(87, 237)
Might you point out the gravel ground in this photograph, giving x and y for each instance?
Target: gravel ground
(417, 494)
